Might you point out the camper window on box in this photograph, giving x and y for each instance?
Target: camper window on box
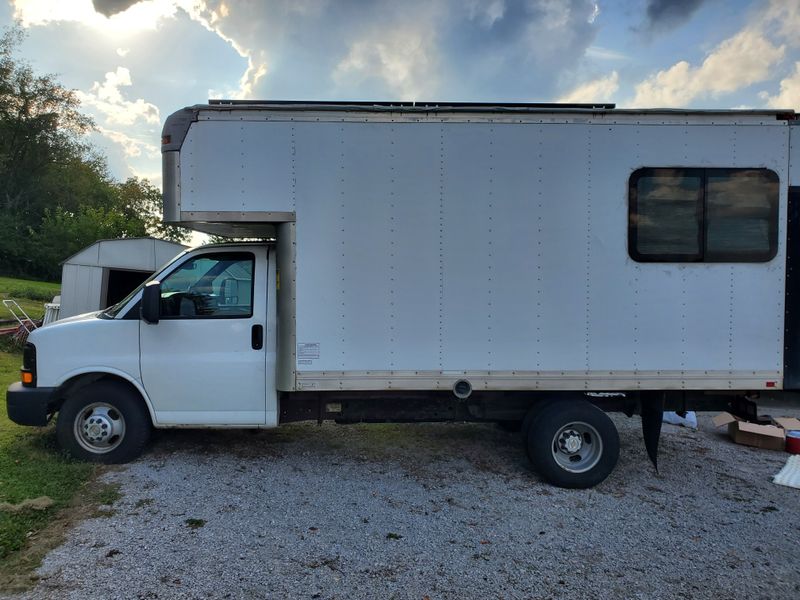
(703, 215)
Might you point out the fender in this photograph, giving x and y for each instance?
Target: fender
(118, 373)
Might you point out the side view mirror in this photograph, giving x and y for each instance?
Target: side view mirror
(151, 303)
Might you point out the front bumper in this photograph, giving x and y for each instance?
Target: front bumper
(28, 405)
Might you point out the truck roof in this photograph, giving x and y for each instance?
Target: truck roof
(410, 106)
(482, 107)
(177, 124)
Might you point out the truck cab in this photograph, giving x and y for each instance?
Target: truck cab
(204, 356)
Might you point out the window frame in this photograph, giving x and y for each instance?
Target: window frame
(702, 219)
(236, 256)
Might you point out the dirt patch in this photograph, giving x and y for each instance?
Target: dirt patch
(40, 503)
(17, 571)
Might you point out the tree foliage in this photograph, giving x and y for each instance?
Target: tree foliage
(56, 194)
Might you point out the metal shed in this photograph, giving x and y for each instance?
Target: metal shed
(105, 272)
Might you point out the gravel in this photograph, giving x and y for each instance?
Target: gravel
(432, 511)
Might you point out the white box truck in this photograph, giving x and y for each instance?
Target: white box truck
(524, 264)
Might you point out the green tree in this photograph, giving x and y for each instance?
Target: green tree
(62, 233)
(130, 212)
(41, 135)
(56, 195)
(140, 200)
(46, 167)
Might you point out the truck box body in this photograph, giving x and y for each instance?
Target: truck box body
(488, 245)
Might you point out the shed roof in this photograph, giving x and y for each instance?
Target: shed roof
(136, 254)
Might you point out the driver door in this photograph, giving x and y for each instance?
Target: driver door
(204, 362)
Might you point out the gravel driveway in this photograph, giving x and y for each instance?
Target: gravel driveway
(432, 511)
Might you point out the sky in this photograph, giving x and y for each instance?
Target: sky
(132, 63)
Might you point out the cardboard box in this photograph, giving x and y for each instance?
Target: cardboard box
(769, 437)
(787, 423)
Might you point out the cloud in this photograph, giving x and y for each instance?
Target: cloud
(107, 98)
(750, 56)
(789, 96)
(42, 12)
(600, 53)
(112, 7)
(597, 90)
(663, 15)
(138, 16)
(211, 15)
(783, 17)
(475, 49)
(132, 147)
(403, 60)
(346, 48)
(742, 60)
(487, 12)
(553, 28)
(343, 50)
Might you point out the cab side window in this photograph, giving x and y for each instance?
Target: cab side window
(210, 286)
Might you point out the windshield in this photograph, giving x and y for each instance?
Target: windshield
(113, 311)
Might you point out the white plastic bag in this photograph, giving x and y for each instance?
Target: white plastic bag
(688, 420)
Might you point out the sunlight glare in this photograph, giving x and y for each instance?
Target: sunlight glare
(142, 16)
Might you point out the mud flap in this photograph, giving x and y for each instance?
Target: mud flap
(652, 411)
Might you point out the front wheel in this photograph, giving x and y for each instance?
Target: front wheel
(104, 422)
(573, 444)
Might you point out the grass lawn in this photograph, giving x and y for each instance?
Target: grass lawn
(32, 466)
(24, 288)
(31, 295)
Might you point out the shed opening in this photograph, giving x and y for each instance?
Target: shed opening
(120, 283)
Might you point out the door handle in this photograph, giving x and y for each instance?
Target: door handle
(257, 337)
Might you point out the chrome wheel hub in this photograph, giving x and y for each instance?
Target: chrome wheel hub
(99, 428)
(577, 447)
(570, 441)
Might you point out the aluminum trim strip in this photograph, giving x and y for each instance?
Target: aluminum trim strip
(539, 380)
(238, 216)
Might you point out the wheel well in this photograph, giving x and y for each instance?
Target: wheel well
(72, 385)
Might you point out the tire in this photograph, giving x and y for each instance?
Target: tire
(530, 417)
(573, 444)
(104, 422)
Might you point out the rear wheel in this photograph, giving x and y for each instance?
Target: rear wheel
(104, 422)
(573, 444)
